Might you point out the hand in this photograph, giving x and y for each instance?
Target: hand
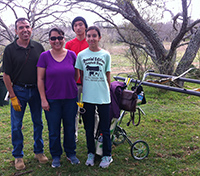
(45, 105)
(15, 103)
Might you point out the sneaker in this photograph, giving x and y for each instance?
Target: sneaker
(90, 160)
(73, 160)
(55, 162)
(41, 158)
(105, 161)
(19, 164)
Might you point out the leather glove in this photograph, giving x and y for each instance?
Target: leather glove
(15, 104)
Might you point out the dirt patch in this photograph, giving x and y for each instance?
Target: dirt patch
(117, 50)
(117, 70)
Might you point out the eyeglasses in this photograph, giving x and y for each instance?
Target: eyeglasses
(54, 38)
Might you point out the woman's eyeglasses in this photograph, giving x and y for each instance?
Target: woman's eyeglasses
(54, 38)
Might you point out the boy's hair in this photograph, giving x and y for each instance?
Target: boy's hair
(79, 18)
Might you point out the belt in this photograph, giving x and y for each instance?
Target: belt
(26, 85)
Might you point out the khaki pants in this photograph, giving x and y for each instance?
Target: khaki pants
(95, 125)
(78, 114)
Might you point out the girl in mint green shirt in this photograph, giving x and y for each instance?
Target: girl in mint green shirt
(95, 65)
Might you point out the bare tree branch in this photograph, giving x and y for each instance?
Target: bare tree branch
(164, 59)
(41, 13)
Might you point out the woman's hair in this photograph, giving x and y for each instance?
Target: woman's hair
(94, 28)
(58, 30)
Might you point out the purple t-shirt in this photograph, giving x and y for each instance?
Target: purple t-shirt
(60, 76)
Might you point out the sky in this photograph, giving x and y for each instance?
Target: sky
(174, 5)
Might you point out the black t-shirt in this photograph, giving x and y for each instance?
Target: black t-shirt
(14, 58)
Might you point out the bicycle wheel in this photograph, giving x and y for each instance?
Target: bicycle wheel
(119, 135)
(139, 150)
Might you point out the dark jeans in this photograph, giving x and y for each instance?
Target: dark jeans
(32, 97)
(62, 110)
(104, 126)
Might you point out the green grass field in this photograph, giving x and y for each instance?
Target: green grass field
(170, 127)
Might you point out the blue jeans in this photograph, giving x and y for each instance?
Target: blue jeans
(104, 126)
(32, 97)
(62, 110)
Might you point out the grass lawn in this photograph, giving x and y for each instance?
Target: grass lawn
(170, 127)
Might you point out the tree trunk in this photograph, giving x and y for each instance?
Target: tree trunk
(190, 53)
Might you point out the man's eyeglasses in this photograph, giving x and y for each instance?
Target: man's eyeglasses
(54, 38)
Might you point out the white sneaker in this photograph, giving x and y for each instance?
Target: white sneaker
(105, 161)
(90, 160)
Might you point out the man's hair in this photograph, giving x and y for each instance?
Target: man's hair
(58, 30)
(20, 19)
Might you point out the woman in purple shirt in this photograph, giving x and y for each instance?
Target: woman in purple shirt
(58, 91)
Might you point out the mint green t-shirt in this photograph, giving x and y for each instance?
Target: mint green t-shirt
(94, 66)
